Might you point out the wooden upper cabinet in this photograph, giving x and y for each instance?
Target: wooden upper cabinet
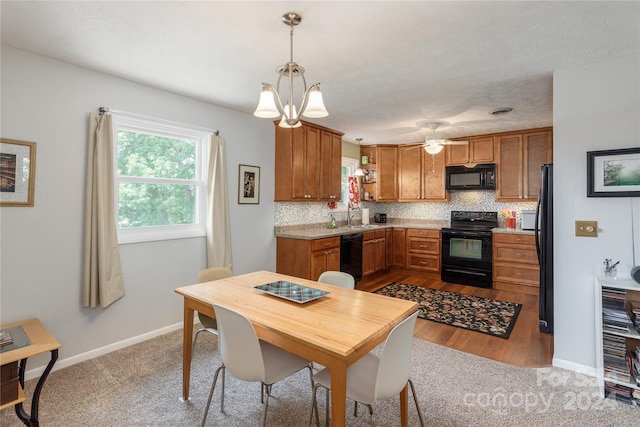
(478, 150)
(519, 157)
(420, 175)
(308, 163)
(538, 150)
(330, 166)
(410, 172)
(387, 173)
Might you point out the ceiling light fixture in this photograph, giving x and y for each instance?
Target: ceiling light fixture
(359, 171)
(500, 111)
(311, 105)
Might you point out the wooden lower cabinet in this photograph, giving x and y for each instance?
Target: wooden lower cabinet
(515, 263)
(423, 250)
(307, 258)
(399, 253)
(374, 249)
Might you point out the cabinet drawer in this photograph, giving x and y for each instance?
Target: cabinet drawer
(320, 244)
(520, 274)
(416, 232)
(520, 239)
(516, 253)
(424, 246)
(423, 262)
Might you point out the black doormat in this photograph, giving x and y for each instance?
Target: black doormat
(486, 315)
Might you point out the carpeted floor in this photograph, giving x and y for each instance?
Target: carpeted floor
(489, 316)
(141, 386)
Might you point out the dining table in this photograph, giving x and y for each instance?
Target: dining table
(333, 330)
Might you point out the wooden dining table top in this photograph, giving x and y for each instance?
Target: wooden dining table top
(343, 324)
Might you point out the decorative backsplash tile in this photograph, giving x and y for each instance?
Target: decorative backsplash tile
(312, 213)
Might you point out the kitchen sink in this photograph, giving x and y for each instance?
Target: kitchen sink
(363, 226)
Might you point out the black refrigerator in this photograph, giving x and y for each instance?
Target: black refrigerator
(544, 247)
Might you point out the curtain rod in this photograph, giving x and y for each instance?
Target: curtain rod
(104, 110)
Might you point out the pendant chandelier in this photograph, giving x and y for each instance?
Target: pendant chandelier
(311, 104)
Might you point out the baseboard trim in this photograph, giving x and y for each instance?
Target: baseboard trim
(63, 363)
(575, 367)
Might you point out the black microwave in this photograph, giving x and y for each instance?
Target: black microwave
(478, 177)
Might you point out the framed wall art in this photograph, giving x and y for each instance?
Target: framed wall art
(17, 172)
(613, 173)
(249, 184)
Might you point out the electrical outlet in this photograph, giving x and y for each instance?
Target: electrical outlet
(587, 228)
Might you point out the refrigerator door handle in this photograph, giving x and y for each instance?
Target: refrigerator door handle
(536, 229)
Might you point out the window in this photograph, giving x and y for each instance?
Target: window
(159, 184)
(349, 166)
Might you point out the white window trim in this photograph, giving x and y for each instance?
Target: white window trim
(148, 125)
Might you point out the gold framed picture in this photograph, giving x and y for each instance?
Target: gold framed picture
(17, 172)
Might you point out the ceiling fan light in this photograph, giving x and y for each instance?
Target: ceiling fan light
(266, 105)
(315, 106)
(433, 149)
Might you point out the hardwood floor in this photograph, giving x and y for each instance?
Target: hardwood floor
(525, 347)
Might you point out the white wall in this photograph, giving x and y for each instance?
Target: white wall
(48, 102)
(595, 107)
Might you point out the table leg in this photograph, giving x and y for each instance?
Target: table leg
(186, 350)
(404, 407)
(339, 394)
(32, 420)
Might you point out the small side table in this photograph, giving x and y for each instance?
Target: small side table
(41, 342)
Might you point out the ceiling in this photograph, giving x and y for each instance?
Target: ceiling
(386, 68)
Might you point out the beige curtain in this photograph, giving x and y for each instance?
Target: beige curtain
(102, 279)
(217, 221)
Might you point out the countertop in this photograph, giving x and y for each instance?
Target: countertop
(323, 232)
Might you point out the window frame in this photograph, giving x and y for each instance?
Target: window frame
(351, 164)
(169, 130)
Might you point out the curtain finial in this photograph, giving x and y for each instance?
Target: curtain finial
(103, 110)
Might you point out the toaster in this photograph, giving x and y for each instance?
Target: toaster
(380, 217)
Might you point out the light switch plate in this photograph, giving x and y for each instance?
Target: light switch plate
(587, 228)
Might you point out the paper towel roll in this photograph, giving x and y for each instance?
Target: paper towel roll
(365, 216)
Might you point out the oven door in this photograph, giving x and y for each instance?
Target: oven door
(466, 257)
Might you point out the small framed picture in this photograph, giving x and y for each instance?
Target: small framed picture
(249, 184)
(17, 172)
(613, 173)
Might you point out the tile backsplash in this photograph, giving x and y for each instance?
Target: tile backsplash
(311, 213)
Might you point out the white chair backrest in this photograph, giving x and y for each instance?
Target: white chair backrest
(338, 278)
(239, 346)
(395, 361)
(214, 273)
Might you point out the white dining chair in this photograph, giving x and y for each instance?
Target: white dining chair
(209, 324)
(338, 278)
(250, 359)
(374, 377)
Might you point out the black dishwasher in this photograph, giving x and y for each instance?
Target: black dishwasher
(351, 254)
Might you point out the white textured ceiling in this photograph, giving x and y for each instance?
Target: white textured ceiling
(384, 67)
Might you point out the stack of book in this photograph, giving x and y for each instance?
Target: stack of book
(621, 393)
(614, 314)
(5, 337)
(616, 364)
(635, 314)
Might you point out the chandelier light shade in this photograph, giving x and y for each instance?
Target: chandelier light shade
(271, 104)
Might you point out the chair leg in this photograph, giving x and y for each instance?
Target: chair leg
(266, 403)
(224, 371)
(415, 399)
(314, 406)
(373, 419)
(195, 340)
(213, 386)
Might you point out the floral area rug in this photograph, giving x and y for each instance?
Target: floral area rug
(486, 315)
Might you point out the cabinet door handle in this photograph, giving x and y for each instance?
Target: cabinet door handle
(520, 255)
(519, 274)
(423, 246)
(423, 262)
